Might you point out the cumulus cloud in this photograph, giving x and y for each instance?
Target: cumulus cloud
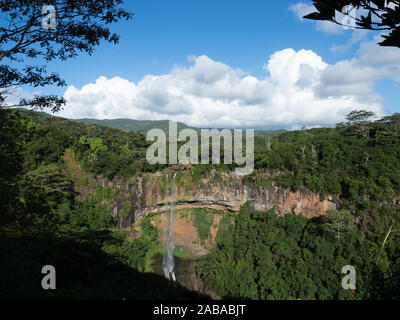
(358, 75)
(299, 88)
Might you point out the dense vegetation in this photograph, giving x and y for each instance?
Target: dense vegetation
(143, 126)
(358, 161)
(41, 221)
(140, 126)
(103, 151)
(260, 256)
(263, 256)
(270, 257)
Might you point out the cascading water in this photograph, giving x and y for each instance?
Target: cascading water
(169, 243)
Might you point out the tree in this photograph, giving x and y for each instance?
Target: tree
(96, 147)
(394, 119)
(10, 165)
(378, 15)
(359, 116)
(338, 223)
(358, 123)
(50, 180)
(388, 129)
(80, 26)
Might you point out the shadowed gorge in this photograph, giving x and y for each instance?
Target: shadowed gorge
(84, 271)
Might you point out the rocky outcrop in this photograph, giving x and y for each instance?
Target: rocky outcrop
(217, 191)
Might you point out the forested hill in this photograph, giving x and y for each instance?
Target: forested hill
(43, 221)
(356, 161)
(143, 126)
(140, 126)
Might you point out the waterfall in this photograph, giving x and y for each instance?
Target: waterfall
(169, 243)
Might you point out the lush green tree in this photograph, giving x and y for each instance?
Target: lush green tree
(338, 223)
(80, 26)
(291, 257)
(359, 115)
(10, 166)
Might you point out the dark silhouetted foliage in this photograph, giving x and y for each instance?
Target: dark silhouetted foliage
(380, 15)
(81, 25)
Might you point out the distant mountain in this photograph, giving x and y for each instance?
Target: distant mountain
(269, 133)
(143, 126)
(140, 126)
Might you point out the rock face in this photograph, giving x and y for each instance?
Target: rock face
(186, 235)
(220, 192)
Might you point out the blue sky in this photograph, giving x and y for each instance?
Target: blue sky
(239, 34)
(163, 33)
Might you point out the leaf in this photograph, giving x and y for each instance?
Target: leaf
(365, 22)
(381, 4)
(314, 16)
(391, 40)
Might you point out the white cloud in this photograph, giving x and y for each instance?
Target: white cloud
(15, 94)
(299, 89)
(357, 36)
(385, 61)
(329, 27)
(301, 9)
(358, 75)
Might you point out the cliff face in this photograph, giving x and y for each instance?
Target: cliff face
(220, 192)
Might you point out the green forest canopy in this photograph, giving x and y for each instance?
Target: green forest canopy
(260, 256)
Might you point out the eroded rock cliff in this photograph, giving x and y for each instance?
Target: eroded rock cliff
(217, 191)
